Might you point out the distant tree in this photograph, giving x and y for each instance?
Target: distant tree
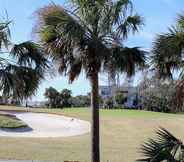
(15, 102)
(53, 97)
(56, 99)
(108, 103)
(65, 97)
(120, 98)
(81, 101)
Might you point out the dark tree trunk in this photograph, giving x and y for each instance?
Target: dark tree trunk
(95, 138)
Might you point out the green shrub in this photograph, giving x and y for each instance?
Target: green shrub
(108, 103)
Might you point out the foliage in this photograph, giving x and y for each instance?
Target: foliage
(120, 98)
(152, 102)
(166, 148)
(82, 37)
(108, 103)
(9, 100)
(57, 99)
(157, 95)
(168, 57)
(66, 96)
(22, 66)
(65, 99)
(81, 101)
(53, 97)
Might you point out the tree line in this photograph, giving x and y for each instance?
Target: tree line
(65, 99)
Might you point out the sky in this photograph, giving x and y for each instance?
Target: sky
(158, 16)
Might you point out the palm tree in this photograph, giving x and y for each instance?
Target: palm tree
(21, 68)
(168, 57)
(66, 96)
(52, 95)
(87, 37)
(167, 52)
(166, 148)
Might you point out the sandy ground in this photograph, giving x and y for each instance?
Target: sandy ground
(47, 125)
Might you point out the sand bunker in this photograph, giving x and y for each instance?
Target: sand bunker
(47, 125)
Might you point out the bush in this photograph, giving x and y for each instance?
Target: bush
(158, 96)
(81, 101)
(108, 103)
(152, 102)
(120, 98)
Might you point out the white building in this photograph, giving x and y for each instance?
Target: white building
(105, 92)
(131, 92)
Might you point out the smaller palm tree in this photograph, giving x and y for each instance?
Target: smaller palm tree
(168, 58)
(166, 148)
(21, 68)
(167, 52)
(51, 94)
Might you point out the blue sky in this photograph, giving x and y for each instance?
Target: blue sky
(158, 15)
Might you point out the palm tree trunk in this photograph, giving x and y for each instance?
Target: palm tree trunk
(95, 139)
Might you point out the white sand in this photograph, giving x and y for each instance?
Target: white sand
(48, 125)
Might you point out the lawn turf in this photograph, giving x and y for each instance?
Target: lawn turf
(10, 122)
(122, 132)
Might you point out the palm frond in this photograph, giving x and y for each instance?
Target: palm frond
(180, 21)
(117, 18)
(22, 73)
(120, 9)
(165, 148)
(130, 24)
(4, 34)
(19, 82)
(89, 11)
(127, 60)
(75, 70)
(166, 53)
(57, 20)
(29, 54)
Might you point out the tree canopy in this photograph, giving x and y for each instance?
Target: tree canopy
(168, 58)
(89, 36)
(22, 66)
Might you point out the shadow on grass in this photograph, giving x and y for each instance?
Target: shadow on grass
(17, 130)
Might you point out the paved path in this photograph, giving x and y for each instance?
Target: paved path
(47, 125)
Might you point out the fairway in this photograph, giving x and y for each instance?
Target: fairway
(122, 132)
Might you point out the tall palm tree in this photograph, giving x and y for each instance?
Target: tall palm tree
(168, 57)
(87, 36)
(21, 68)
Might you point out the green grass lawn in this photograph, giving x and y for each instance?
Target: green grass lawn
(10, 122)
(122, 132)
